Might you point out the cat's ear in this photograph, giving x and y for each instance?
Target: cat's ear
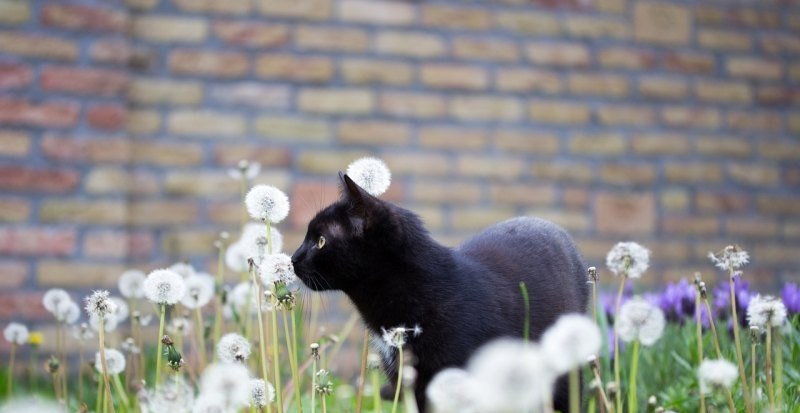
(363, 205)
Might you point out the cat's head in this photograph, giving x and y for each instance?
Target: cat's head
(347, 240)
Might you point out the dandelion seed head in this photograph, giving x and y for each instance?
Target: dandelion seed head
(122, 311)
(628, 258)
(131, 284)
(718, 373)
(371, 174)
(179, 326)
(82, 332)
(254, 237)
(236, 256)
(99, 304)
(232, 381)
(67, 312)
(245, 170)
(232, 347)
(570, 342)
(174, 395)
(164, 287)
(53, 297)
(262, 393)
(640, 320)
(199, 291)
(210, 403)
(115, 361)
(16, 333)
(267, 203)
(277, 268)
(110, 323)
(453, 390)
(729, 257)
(397, 336)
(765, 311)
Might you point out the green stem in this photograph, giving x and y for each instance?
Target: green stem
(292, 361)
(399, 383)
(276, 357)
(99, 399)
(10, 388)
(768, 371)
(376, 391)
(220, 280)
(753, 371)
(262, 337)
(363, 372)
(80, 371)
(713, 328)
(121, 390)
(313, 383)
(618, 395)
(159, 347)
(101, 335)
(739, 358)
(527, 327)
(574, 391)
(699, 331)
(201, 344)
(778, 370)
(632, 399)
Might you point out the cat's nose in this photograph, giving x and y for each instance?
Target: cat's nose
(298, 256)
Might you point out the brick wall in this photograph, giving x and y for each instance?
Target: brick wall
(672, 123)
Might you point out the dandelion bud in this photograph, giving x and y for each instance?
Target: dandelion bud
(594, 384)
(53, 365)
(224, 235)
(651, 401)
(409, 376)
(174, 358)
(315, 350)
(373, 361)
(324, 384)
(611, 389)
(755, 332)
(592, 274)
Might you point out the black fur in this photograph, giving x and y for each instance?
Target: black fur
(382, 257)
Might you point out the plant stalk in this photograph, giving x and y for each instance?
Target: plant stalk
(739, 358)
(101, 335)
(618, 395)
(632, 399)
(159, 346)
(399, 383)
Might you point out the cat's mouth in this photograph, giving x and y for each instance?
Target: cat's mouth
(311, 279)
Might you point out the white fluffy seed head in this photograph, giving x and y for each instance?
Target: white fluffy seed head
(184, 269)
(277, 268)
(629, 259)
(398, 336)
(233, 348)
(731, 256)
(241, 299)
(122, 311)
(199, 291)
(765, 311)
(53, 297)
(640, 320)
(236, 256)
(164, 287)
(174, 395)
(67, 312)
(99, 304)
(371, 174)
(210, 403)
(267, 203)
(512, 376)
(115, 361)
(254, 237)
(110, 323)
(261, 393)
(131, 284)
(231, 381)
(716, 374)
(453, 390)
(16, 333)
(570, 341)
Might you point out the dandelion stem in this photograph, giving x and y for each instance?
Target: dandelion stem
(713, 328)
(10, 388)
(699, 331)
(201, 346)
(736, 339)
(292, 361)
(363, 373)
(632, 400)
(601, 389)
(100, 395)
(526, 300)
(768, 371)
(80, 371)
(778, 372)
(159, 347)
(121, 390)
(399, 383)
(262, 337)
(220, 277)
(313, 383)
(376, 391)
(618, 395)
(276, 357)
(103, 364)
(574, 391)
(753, 357)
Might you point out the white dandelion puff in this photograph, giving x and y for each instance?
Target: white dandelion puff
(277, 268)
(570, 341)
(115, 361)
(371, 174)
(179, 326)
(99, 304)
(67, 312)
(131, 284)
(82, 332)
(267, 203)
(716, 374)
(245, 170)
(640, 320)
(210, 403)
(766, 311)
(261, 393)
(231, 381)
(232, 348)
(122, 312)
(184, 269)
(512, 376)
(628, 258)
(199, 291)
(53, 297)
(398, 336)
(110, 323)
(16, 333)
(731, 256)
(236, 256)
(241, 299)
(164, 287)
(174, 395)
(254, 238)
(453, 390)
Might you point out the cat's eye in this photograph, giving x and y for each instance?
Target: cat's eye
(321, 242)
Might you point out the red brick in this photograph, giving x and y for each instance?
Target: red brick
(690, 62)
(66, 274)
(735, 16)
(14, 75)
(755, 68)
(728, 146)
(250, 94)
(625, 115)
(692, 172)
(16, 305)
(778, 204)
(625, 214)
(221, 7)
(296, 9)
(513, 141)
(597, 144)
(14, 143)
(485, 108)
(306, 196)
(106, 180)
(778, 95)
(80, 149)
(662, 23)
(522, 194)
(489, 166)
(411, 44)
(407, 163)
(781, 150)
(22, 178)
(47, 114)
(441, 16)
(14, 12)
(755, 121)
(449, 76)
(83, 81)
(660, 144)
(559, 112)
(369, 71)
(83, 17)
(446, 192)
(658, 87)
(558, 54)
(107, 117)
(626, 58)
(14, 210)
(589, 27)
(754, 175)
(691, 117)
(15, 273)
(780, 43)
(312, 69)
(528, 22)
(452, 137)
(251, 34)
(694, 226)
(37, 241)
(209, 63)
(563, 171)
(723, 91)
(724, 40)
(38, 45)
(118, 244)
(330, 39)
(230, 155)
(627, 174)
(726, 202)
(597, 84)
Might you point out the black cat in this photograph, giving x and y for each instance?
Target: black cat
(382, 257)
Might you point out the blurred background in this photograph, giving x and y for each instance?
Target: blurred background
(671, 123)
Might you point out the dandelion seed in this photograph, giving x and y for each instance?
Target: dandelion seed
(245, 170)
(453, 390)
(164, 287)
(67, 312)
(716, 374)
(267, 203)
(277, 268)
(99, 304)
(229, 380)
(115, 361)
(570, 341)
(261, 393)
(232, 348)
(16, 333)
(766, 311)
(53, 298)
(731, 256)
(131, 284)
(628, 258)
(371, 174)
(640, 320)
(199, 291)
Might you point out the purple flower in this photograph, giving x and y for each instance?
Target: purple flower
(609, 301)
(722, 302)
(791, 298)
(677, 301)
